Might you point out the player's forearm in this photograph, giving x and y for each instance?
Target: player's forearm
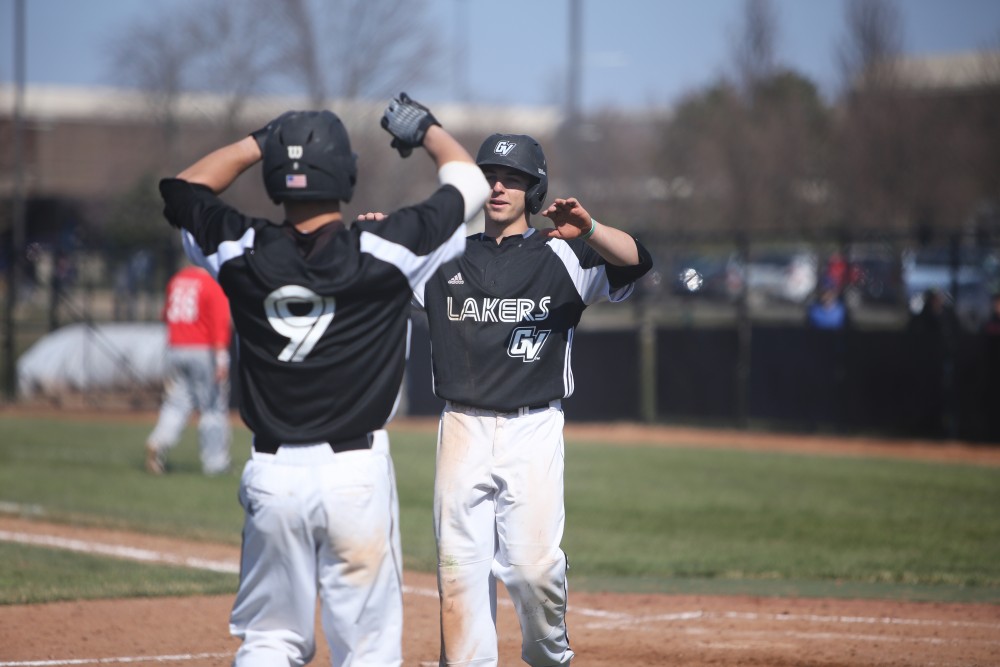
(614, 245)
(221, 167)
(444, 148)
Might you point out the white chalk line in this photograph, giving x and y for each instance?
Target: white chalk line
(180, 657)
(768, 636)
(24, 509)
(620, 620)
(118, 551)
(145, 555)
(611, 619)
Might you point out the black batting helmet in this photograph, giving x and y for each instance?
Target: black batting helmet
(520, 152)
(307, 157)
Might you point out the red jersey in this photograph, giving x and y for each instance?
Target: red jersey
(196, 311)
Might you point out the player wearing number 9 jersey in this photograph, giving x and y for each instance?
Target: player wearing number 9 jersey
(321, 313)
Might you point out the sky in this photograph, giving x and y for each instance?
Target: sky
(636, 53)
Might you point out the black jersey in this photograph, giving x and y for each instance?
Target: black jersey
(502, 316)
(322, 319)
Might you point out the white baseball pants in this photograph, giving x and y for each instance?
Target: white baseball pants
(189, 385)
(499, 514)
(320, 523)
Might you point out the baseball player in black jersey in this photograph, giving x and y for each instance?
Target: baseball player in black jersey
(321, 313)
(502, 318)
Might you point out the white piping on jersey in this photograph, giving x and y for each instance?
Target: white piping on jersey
(621, 293)
(568, 384)
(399, 392)
(591, 284)
(417, 268)
(226, 251)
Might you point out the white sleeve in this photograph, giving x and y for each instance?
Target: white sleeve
(468, 179)
(417, 268)
(195, 255)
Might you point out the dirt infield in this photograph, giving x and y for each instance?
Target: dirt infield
(606, 630)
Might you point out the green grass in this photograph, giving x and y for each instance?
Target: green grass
(91, 472)
(638, 518)
(35, 574)
(692, 514)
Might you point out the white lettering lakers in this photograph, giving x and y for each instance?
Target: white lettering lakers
(499, 310)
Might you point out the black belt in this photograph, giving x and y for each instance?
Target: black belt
(363, 441)
(529, 408)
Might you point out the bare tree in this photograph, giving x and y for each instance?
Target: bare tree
(150, 57)
(323, 48)
(755, 44)
(777, 138)
(355, 48)
(695, 151)
(744, 152)
(872, 45)
(214, 49)
(229, 52)
(299, 49)
(874, 153)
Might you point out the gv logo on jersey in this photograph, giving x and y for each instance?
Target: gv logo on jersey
(504, 147)
(526, 343)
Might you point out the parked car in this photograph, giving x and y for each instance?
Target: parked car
(967, 284)
(873, 279)
(781, 275)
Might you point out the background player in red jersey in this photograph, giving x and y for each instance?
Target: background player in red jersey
(196, 371)
(502, 318)
(322, 315)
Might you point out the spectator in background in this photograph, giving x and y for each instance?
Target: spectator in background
(936, 317)
(827, 311)
(934, 336)
(196, 376)
(992, 325)
(837, 271)
(132, 279)
(991, 398)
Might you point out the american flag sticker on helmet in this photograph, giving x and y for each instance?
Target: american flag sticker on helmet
(295, 181)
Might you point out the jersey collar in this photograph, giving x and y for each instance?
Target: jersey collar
(528, 233)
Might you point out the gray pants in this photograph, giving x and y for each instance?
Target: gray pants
(189, 384)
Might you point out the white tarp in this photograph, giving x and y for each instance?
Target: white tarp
(81, 357)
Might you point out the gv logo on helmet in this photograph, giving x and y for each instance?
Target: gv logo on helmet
(295, 152)
(504, 147)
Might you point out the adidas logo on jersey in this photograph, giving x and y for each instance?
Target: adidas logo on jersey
(456, 279)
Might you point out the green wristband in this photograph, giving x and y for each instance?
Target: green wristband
(590, 232)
